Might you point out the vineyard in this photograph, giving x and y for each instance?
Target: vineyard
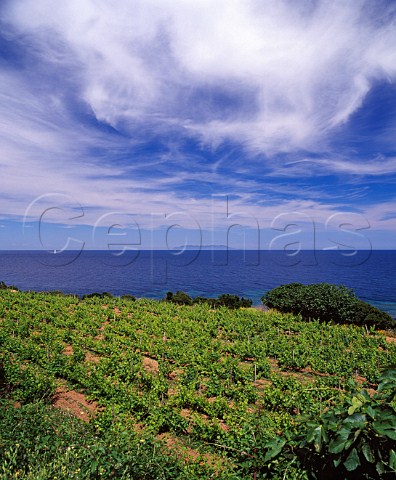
(118, 388)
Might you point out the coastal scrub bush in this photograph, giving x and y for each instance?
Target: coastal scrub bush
(233, 301)
(3, 286)
(366, 314)
(129, 298)
(327, 303)
(97, 295)
(224, 300)
(180, 298)
(201, 300)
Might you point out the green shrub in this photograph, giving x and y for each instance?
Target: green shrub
(97, 295)
(3, 286)
(180, 298)
(129, 298)
(327, 303)
(224, 300)
(209, 301)
(233, 301)
(366, 314)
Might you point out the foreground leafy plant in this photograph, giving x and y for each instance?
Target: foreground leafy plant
(353, 441)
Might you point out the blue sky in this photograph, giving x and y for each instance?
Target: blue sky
(159, 123)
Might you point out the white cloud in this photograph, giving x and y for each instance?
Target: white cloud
(304, 67)
(274, 76)
(376, 167)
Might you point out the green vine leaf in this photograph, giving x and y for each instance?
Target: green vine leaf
(275, 447)
(387, 429)
(356, 404)
(338, 444)
(368, 453)
(392, 460)
(352, 462)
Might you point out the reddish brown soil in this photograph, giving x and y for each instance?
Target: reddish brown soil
(188, 454)
(150, 365)
(75, 403)
(175, 374)
(90, 357)
(103, 326)
(68, 351)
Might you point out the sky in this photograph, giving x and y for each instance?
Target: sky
(165, 123)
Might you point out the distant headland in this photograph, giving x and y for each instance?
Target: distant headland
(203, 247)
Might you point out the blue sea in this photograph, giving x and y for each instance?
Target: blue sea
(207, 273)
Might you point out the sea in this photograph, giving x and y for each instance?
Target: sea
(209, 273)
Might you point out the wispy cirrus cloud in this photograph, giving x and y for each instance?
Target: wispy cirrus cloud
(312, 166)
(277, 76)
(154, 106)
